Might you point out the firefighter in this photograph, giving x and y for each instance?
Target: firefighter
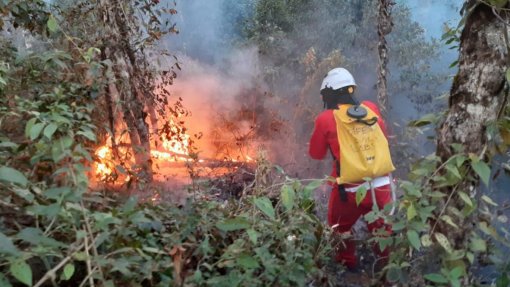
(338, 89)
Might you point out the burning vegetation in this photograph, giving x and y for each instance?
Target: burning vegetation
(183, 148)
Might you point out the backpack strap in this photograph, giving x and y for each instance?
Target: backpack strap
(341, 187)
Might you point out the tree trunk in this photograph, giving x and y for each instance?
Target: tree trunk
(384, 27)
(129, 83)
(477, 96)
(133, 115)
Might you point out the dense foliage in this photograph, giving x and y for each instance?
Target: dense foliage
(61, 65)
(55, 231)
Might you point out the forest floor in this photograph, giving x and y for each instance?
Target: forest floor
(177, 188)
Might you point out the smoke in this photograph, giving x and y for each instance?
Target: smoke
(273, 99)
(220, 82)
(213, 95)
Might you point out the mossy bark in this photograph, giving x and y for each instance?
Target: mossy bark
(476, 99)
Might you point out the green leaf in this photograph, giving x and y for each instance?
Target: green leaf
(309, 188)
(67, 141)
(411, 189)
(6, 246)
(453, 64)
(36, 237)
(436, 278)
(478, 245)
(57, 151)
(470, 257)
(414, 239)
(426, 241)
(4, 282)
(508, 75)
(488, 200)
(57, 192)
(49, 130)
(247, 262)
(436, 194)
(490, 230)
(68, 271)
(465, 198)
(425, 120)
(7, 144)
(29, 126)
(454, 170)
(265, 205)
(394, 274)
(456, 272)
(458, 149)
(24, 193)
(288, 197)
(459, 160)
(80, 256)
(384, 242)
(21, 271)
(45, 210)
(503, 280)
(449, 220)
(443, 241)
(155, 250)
(253, 235)
(233, 224)
(398, 226)
(130, 204)
(411, 212)
(88, 134)
(13, 176)
(35, 131)
(52, 24)
(361, 193)
(482, 170)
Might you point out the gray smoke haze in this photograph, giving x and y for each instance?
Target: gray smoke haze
(218, 75)
(210, 91)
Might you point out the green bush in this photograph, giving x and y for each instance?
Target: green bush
(250, 242)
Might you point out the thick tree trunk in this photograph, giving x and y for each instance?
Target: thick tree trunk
(477, 94)
(476, 98)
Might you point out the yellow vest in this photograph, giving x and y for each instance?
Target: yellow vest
(364, 150)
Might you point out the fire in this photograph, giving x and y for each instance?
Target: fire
(176, 146)
(102, 168)
(173, 146)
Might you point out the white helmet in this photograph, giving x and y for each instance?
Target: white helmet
(337, 79)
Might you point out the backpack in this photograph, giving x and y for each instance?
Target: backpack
(364, 150)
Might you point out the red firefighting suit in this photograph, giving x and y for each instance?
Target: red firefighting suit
(324, 140)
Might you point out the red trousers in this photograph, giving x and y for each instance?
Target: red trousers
(345, 214)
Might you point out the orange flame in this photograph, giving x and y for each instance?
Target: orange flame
(102, 169)
(173, 149)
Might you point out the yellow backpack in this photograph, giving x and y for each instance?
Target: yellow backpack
(364, 150)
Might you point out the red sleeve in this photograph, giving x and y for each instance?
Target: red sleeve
(380, 120)
(318, 143)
